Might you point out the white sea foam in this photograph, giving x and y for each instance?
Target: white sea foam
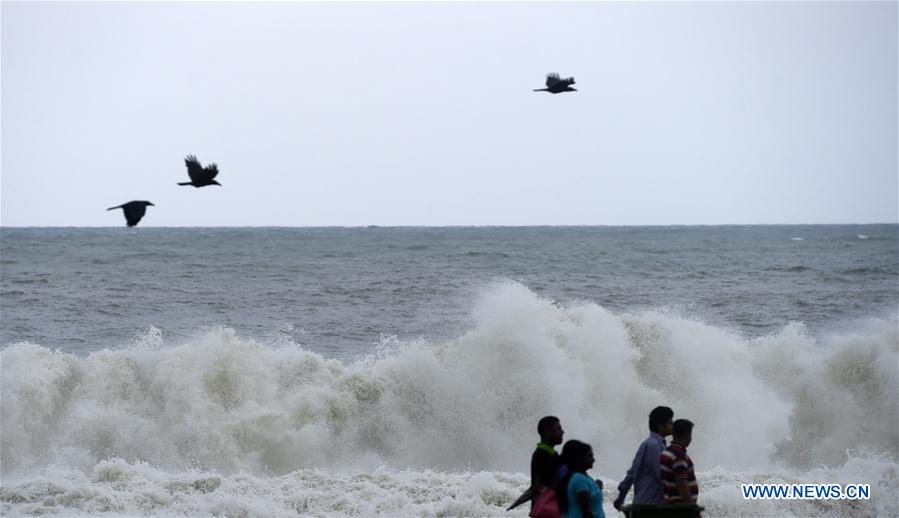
(224, 425)
(118, 488)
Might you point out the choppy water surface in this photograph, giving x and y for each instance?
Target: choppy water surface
(337, 290)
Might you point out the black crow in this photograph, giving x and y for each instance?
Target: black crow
(556, 85)
(134, 210)
(200, 176)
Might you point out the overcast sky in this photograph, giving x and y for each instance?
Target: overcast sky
(424, 114)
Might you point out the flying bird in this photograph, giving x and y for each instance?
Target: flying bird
(134, 210)
(200, 176)
(557, 85)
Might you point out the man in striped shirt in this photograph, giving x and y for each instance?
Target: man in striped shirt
(678, 478)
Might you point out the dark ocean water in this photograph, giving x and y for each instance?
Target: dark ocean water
(337, 290)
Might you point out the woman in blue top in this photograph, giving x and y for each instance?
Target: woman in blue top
(579, 496)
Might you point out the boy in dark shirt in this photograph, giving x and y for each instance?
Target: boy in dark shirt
(545, 461)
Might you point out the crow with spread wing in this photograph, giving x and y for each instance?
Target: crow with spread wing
(557, 85)
(134, 210)
(200, 176)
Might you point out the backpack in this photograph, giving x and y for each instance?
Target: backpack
(546, 505)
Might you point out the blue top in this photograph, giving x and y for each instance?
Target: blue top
(578, 484)
(644, 473)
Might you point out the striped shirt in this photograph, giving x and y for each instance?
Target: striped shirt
(677, 465)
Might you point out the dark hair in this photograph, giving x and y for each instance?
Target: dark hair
(682, 428)
(659, 416)
(572, 453)
(545, 423)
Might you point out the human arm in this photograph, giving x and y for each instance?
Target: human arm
(583, 500)
(683, 489)
(536, 487)
(628, 481)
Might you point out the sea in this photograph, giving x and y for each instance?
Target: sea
(401, 371)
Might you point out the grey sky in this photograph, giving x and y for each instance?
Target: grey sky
(423, 114)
